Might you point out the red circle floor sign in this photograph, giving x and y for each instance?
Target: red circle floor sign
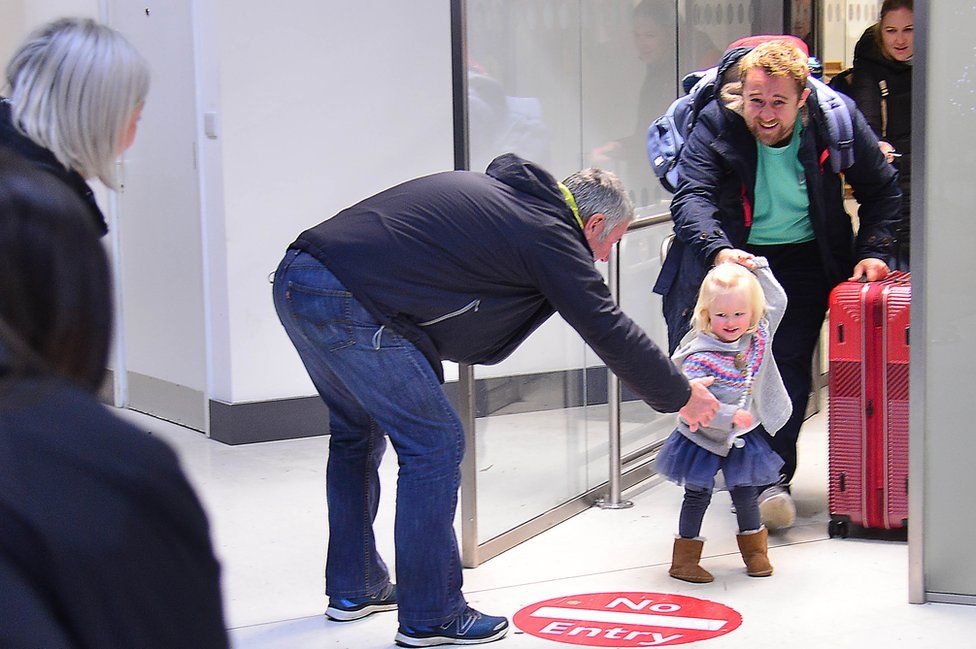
(627, 619)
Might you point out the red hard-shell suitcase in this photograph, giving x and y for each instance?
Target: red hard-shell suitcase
(868, 404)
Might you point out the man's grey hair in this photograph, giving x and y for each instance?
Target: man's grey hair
(73, 87)
(600, 192)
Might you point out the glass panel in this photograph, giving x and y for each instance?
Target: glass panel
(706, 28)
(566, 83)
(533, 435)
(801, 22)
(640, 263)
(524, 82)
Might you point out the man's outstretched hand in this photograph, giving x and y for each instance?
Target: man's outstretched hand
(702, 404)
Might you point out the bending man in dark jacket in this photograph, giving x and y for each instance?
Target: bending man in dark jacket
(754, 180)
(460, 266)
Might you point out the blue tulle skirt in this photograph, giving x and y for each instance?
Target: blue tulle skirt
(686, 463)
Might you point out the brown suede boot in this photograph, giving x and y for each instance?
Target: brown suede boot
(684, 561)
(753, 547)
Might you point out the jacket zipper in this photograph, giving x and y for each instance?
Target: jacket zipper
(883, 84)
(473, 305)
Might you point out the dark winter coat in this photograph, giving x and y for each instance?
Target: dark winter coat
(42, 158)
(103, 544)
(466, 265)
(890, 116)
(712, 208)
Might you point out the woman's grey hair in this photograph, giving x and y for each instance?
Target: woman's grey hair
(600, 192)
(74, 85)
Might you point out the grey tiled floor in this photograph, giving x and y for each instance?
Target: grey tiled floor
(267, 509)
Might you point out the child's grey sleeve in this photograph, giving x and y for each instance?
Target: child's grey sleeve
(775, 295)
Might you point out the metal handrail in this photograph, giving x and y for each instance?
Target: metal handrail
(649, 220)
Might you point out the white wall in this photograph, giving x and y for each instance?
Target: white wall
(320, 104)
(19, 17)
(12, 29)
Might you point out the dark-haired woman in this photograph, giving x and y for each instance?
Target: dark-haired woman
(880, 82)
(103, 543)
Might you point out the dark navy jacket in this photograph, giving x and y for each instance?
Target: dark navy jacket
(466, 265)
(40, 157)
(103, 544)
(717, 178)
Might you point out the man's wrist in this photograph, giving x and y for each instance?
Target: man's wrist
(715, 257)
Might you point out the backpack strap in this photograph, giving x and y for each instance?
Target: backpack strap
(666, 135)
(839, 123)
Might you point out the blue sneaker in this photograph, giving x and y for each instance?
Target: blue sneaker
(354, 608)
(470, 627)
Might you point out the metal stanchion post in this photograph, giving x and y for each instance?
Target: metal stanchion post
(612, 500)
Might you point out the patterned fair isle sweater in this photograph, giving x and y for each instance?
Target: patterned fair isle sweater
(746, 375)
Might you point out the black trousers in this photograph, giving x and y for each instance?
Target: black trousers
(799, 269)
(696, 502)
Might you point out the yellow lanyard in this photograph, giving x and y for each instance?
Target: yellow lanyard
(568, 195)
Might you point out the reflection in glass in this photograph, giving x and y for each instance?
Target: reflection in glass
(800, 13)
(524, 82)
(638, 45)
(702, 39)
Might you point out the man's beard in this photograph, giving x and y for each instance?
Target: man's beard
(781, 136)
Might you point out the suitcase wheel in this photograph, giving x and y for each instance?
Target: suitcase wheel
(838, 528)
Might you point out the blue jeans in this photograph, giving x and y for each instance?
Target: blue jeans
(378, 384)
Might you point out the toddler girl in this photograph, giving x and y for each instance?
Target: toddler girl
(730, 339)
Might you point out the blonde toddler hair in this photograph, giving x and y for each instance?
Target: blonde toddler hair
(723, 279)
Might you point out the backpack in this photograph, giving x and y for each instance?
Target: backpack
(666, 135)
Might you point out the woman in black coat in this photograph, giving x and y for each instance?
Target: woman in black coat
(880, 82)
(103, 544)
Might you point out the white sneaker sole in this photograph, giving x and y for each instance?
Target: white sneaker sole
(340, 615)
(433, 641)
(778, 512)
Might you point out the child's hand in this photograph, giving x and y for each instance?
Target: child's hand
(742, 418)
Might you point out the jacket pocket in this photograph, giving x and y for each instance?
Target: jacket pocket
(470, 306)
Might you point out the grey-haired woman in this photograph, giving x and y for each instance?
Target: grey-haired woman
(75, 91)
